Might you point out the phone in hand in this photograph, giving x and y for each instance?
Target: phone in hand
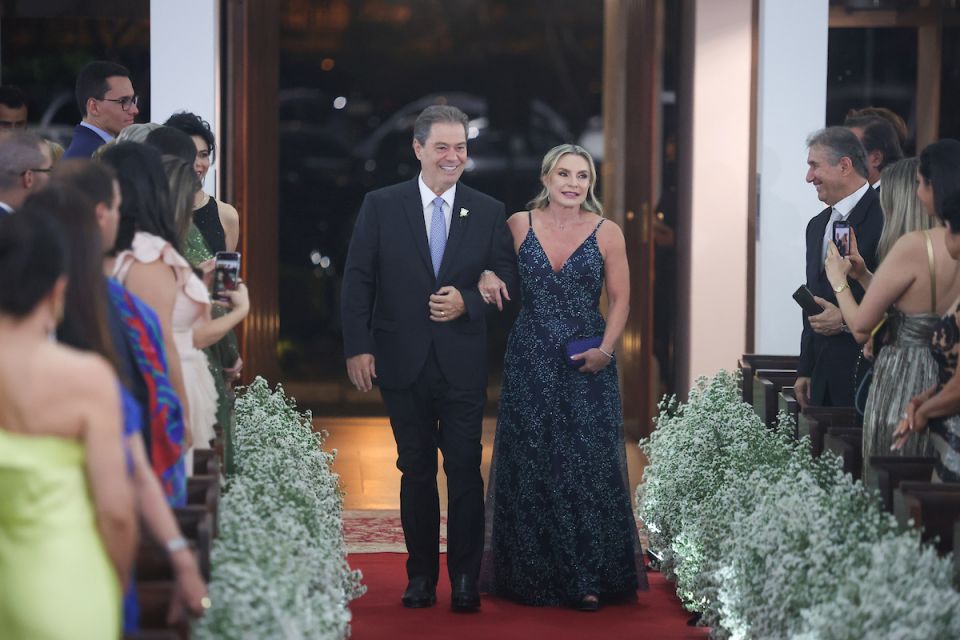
(841, 237)
(804, 298)
(226, 274)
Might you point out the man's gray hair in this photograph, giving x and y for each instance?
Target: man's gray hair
(437, 113)
(19, 151)
(840, 142)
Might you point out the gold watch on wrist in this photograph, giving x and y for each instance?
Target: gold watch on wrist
(839, 288)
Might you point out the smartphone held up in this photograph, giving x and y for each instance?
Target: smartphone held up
(226, 274)
(841, 237)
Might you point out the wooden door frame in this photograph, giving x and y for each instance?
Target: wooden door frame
(251, 179)
(632, 82)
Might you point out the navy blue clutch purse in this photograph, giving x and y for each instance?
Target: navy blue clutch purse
(580, 345)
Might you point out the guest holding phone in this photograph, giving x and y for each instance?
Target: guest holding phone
(560, 526)
(915, 283)
(837, 167)
(939, 407)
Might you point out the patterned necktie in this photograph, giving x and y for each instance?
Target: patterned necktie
(438, 235)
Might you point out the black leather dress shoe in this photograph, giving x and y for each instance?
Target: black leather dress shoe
(465, 597)
(420, 593)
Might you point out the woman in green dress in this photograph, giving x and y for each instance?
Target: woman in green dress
(67, 523)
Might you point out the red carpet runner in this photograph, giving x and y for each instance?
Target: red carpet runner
(379, 615)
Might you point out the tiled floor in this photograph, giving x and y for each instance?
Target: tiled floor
(367, 456)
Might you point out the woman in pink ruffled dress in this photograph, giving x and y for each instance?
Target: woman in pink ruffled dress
(149, 264)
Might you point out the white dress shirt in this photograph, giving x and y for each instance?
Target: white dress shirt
(97, 130)
(5, 208)
(841, 211)
(427, 196)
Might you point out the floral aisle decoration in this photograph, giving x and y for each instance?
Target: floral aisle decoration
(279, 564)
(766, 542)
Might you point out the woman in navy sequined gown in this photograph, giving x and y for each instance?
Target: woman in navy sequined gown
(560, 528)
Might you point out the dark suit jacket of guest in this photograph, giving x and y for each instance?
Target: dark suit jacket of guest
(85, 141)
(831, 361)
(389, 278)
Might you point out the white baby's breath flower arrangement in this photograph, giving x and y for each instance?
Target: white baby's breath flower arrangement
(279, 564)
(766, 542)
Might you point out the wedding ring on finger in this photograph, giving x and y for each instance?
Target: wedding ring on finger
(443, 314)
(205, 602)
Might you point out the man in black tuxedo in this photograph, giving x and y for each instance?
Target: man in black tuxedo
(414, 322)
(828, 353)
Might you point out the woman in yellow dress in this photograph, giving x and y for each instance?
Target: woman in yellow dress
(67, 524)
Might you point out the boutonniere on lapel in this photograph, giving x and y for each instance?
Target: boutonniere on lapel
(464, 212)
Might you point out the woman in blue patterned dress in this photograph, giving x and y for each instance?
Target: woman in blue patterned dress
(560, 528)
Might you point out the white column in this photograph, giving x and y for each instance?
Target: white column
(723, 36)
(185, 63)
(792, 88)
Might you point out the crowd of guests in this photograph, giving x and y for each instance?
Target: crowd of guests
(116, 365)
(888, 337)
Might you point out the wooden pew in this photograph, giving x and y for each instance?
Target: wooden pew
(814, 422)
(787, 403)
(890, 471)
(767, 384)
(205, 491)
(749, 364)
(205, 462)
(934, 508)
(847, 443)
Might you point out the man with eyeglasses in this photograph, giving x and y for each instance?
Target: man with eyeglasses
(24, 167)
(106, 99)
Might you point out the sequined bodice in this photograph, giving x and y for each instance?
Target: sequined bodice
(567, 300)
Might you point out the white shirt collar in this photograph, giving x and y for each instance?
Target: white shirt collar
(876, 185)
(845, 206)
(6, 207)
(427, 196)
(97, 130)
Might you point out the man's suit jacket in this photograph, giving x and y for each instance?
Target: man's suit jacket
(389, 278)
(85, 141)
(831, 361)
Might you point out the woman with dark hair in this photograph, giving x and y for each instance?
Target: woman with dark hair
(67, 522)
(85, 321)
(938, 187)
(146, 216)
(152, 259)
(218, 221)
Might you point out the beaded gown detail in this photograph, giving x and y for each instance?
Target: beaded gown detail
(559, 520)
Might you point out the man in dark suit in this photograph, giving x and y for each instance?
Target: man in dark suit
(414, 322)
(879, 140)
(828, 353)
(108, 104)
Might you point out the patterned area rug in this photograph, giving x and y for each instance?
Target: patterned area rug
(380, 531)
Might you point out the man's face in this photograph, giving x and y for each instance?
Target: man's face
(830, 180)
(108, 113)
(13, 118)
(443, 156)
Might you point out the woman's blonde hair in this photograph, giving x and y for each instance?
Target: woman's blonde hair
(902, 210)
(183, 183)
(550, 161)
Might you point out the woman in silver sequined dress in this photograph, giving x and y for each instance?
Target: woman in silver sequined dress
(917, 281)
